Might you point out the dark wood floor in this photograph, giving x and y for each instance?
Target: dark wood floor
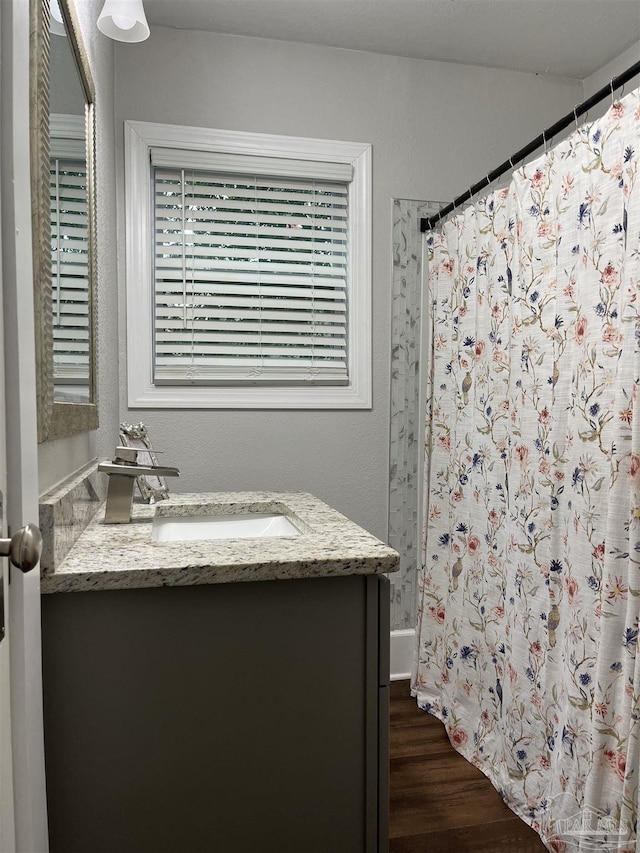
(440, 803)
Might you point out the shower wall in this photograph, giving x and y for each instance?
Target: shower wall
(406, 421)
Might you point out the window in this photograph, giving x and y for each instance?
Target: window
(248, 270)
(69, 257)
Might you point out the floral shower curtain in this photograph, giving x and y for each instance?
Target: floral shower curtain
(530, 586)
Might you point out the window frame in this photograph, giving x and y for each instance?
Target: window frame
(140, 138)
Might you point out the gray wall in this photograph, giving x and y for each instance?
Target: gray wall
(435, 128)
(604, 75)
(58, 459)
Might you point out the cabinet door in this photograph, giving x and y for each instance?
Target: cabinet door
(223, 719)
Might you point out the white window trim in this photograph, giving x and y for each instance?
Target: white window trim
(140, 137)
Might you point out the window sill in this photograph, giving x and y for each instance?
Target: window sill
(251, 397)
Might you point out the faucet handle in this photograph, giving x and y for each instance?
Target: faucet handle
(126, 454)
(129, 454)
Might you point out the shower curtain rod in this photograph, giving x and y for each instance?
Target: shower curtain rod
(427, 224)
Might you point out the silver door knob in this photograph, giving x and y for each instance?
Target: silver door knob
(24, 548)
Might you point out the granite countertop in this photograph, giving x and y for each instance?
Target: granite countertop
(123, 556)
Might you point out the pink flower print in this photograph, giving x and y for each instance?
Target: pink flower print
(617, 761)
(457, 496)
(544, 229)
(544, 466)
(473, 543)
(559, 475)
(462, 311)
(568, 291)
(557, 845)
(617, 110)
(458, 737)
(544, 417)
(479, 350)
(572, 589)
(616, 170)
(609, 275)
(545, 764)
(503, 194)
(598, 552)
(581, 329)
(484, 716)
(626, 416)
(536, 650)
(438, 613)
(493, 518)
(635, 464)
(611, 335)
(616, 589)
(495, 312)
(601, 709)
(522, 452)
(444, 441)
(449, 265)
(536, 180)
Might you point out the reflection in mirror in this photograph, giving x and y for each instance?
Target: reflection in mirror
(69, 225)
(63, 201)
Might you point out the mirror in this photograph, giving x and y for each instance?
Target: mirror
(63, 216)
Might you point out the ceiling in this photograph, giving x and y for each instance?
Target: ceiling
(571, 38)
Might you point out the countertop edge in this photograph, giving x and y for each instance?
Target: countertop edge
(363, 554)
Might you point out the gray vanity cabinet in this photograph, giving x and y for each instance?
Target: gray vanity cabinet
(235, 718)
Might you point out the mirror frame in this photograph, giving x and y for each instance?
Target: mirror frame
(57, 419)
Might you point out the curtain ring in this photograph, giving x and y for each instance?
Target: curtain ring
(611, 85)
(575, 115)
(544, 140)
(621, 92)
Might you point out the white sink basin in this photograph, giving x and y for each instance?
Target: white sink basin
(248, 526)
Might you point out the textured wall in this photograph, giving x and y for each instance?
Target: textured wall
(434, 127)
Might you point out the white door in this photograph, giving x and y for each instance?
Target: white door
(7, 824)
(23, 817)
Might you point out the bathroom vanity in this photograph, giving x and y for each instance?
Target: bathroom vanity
(225, 695)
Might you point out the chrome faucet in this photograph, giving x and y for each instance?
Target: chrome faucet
(122, 473)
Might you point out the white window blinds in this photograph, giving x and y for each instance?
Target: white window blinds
(250, 271)
(69, 268)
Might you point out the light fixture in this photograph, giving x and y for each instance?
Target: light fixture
(56, 22)
(123, 20)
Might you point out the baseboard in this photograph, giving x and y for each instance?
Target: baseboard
(402, 646)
